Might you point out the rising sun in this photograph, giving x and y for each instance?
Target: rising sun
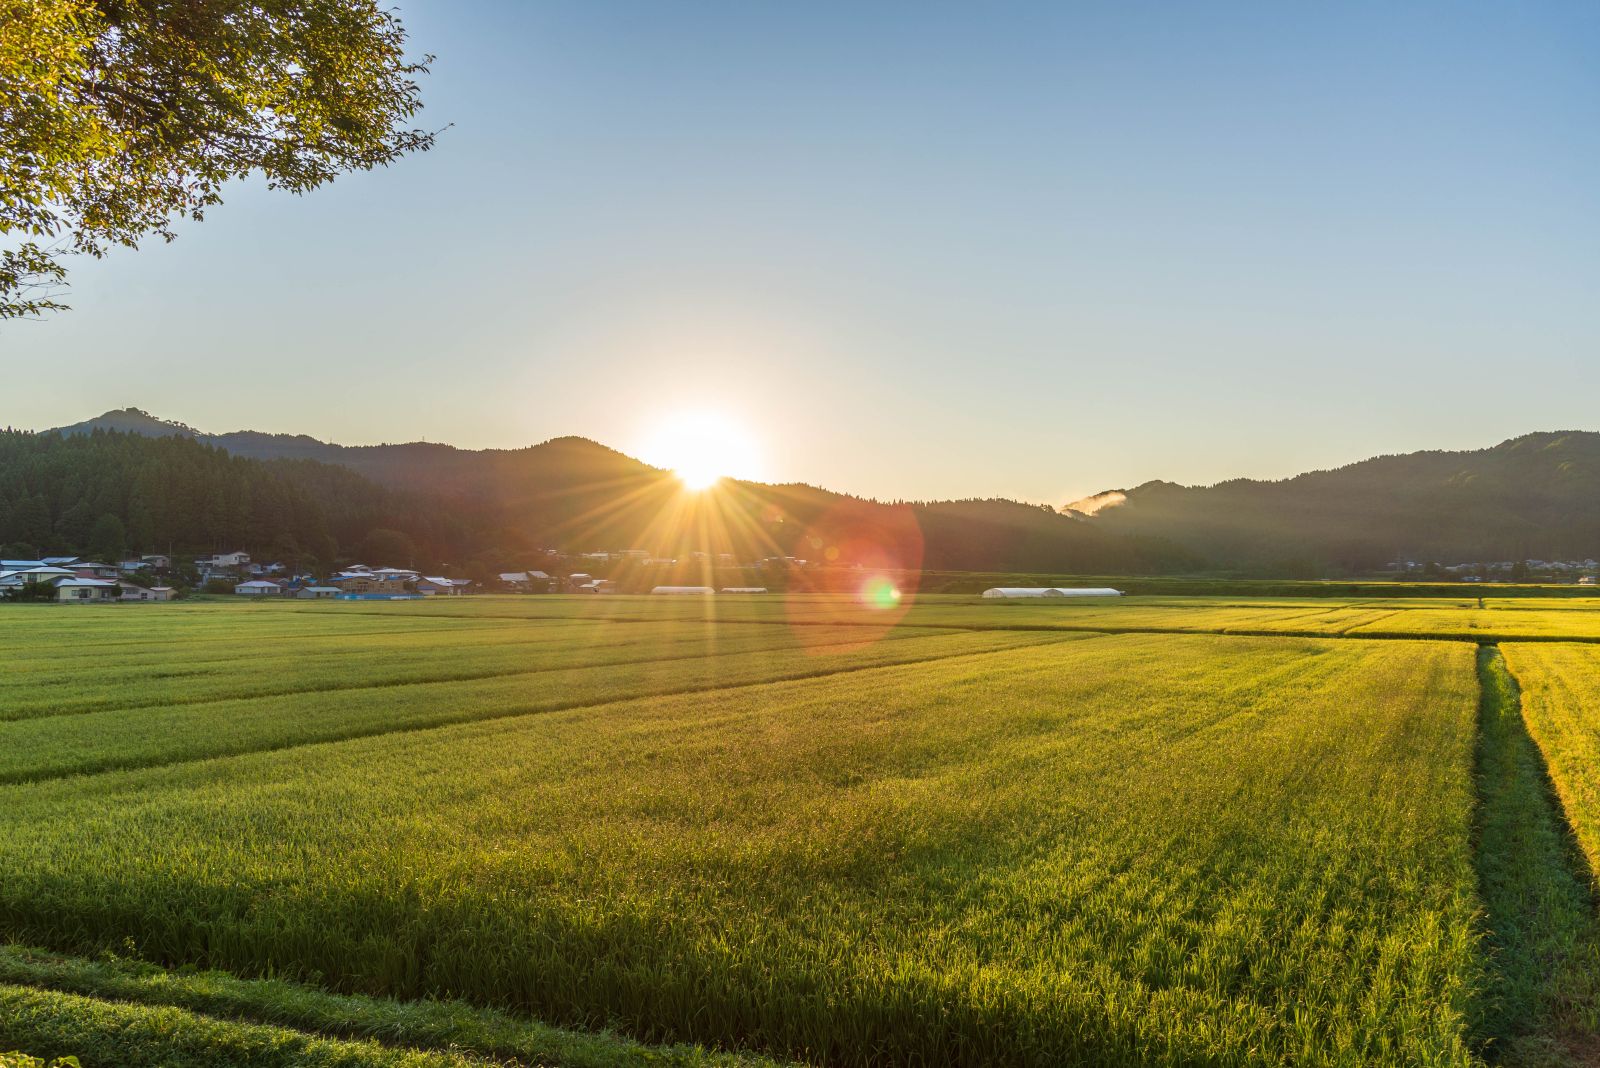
(702, 448)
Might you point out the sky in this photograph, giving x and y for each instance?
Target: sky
(910, 251)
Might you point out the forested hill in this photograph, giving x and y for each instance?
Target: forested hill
(1535, 496)
(107, 494)
(493, 507)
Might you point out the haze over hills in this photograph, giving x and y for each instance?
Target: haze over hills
(1533, 496)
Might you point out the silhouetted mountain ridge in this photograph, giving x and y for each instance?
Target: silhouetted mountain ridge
(575, 494)
(1537, 495)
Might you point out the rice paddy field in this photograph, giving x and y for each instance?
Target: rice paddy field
(765, 830)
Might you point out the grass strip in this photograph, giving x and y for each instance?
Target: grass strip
(1543, 1002)
(103, 1034)
(438, 1027)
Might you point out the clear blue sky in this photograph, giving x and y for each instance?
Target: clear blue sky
(919, 250)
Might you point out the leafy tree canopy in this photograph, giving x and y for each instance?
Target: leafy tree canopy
(119, 117)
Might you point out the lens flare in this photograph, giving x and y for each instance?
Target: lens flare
(880, 593)
(861, 562)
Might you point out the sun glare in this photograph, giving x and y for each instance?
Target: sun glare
(702, 448)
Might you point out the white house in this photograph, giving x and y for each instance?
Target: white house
(220, 560)
(86, 590)
(435, 586)
(401, 574)
(16, 576)
(139, 593)
(258, 588)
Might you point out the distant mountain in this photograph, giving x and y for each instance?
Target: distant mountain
(574, 494)
(131, 421)
(1535, 496)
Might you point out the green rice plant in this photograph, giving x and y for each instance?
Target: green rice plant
(1560, 687)
(1145, 849)
(353, 663)
(367, 700)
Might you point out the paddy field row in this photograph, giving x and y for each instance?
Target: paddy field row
(959, 834)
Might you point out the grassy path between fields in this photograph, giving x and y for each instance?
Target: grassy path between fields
(134, 1015)
(1543, 929)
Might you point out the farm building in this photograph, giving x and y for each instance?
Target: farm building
(1051, 591)
(744, 589)
(317, 593)
(364, 582)
(139, 593)
(683, 589)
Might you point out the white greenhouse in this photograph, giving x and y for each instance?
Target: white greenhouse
(683, 589)
(1052, 591)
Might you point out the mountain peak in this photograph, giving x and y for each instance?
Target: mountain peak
(129, 421)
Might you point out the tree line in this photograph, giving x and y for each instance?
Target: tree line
(109, 495)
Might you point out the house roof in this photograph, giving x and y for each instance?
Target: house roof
(90, 583)
(320, 589)
(256, 582)
(513, 576)
(40, 572)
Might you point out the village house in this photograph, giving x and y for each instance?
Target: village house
(138, 593)
(524, 581)
(86, 590)
(317, 593)
(434, 586)
(13, 576)
(258, 588)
